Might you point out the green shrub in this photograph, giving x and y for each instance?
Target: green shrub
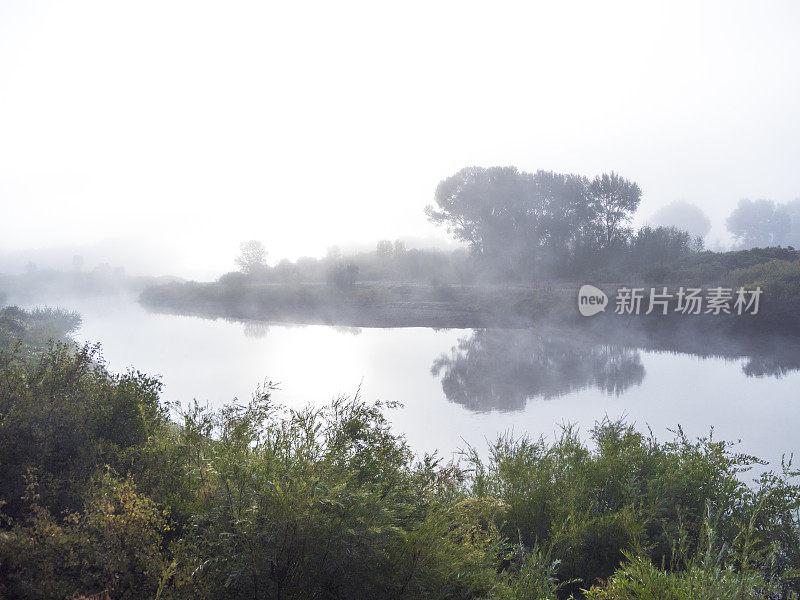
(780, 279)
(638, 579)
(114, 543)
(633, 493)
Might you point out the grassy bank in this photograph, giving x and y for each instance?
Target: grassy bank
(105, 486)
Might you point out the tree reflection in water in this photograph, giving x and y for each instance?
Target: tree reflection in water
(501, 369)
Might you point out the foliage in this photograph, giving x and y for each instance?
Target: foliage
(633, 493)
(101, 490)
(780, 279)
(525, 224)
(63, 416)
(613, 200)
(252, 257)
(704, 268)
(327, 503)
(638, 579)
(662, 243)
(114, 543)
(759, 223)
(34, 329)
(342, 275)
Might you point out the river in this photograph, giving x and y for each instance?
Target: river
(457, 387)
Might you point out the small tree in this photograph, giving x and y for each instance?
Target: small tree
(252, 257)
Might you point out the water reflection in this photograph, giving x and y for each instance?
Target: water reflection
(255, 329)
(497, 369)
(769, 366)
(502, 369)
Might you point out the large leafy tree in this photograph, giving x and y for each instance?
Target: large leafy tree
(477, 204)
(517, 218)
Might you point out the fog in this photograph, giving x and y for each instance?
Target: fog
(158, 135)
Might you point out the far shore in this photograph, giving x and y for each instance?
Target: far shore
(383, 305)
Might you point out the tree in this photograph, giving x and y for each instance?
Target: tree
(384, 249)
(342, 275)
(685, 216)
(523, 222)
(480, 206)
(660, 245)
(614, 200)
(793, 210)
(252, 257)
(759, 223)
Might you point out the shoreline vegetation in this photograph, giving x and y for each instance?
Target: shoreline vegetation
(104, 485)
(448, 304)
(392, 304)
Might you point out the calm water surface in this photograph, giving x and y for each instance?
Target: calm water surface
(457, 387)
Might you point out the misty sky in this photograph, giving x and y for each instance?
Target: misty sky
(163, 133)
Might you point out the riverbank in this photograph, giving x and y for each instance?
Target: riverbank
(446, 306)
(364, 305)
(233, 503)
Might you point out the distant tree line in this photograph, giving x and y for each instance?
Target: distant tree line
(390, 261)
(522, 227)
(753, 223)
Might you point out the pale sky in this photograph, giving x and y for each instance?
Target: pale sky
(182, 128)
